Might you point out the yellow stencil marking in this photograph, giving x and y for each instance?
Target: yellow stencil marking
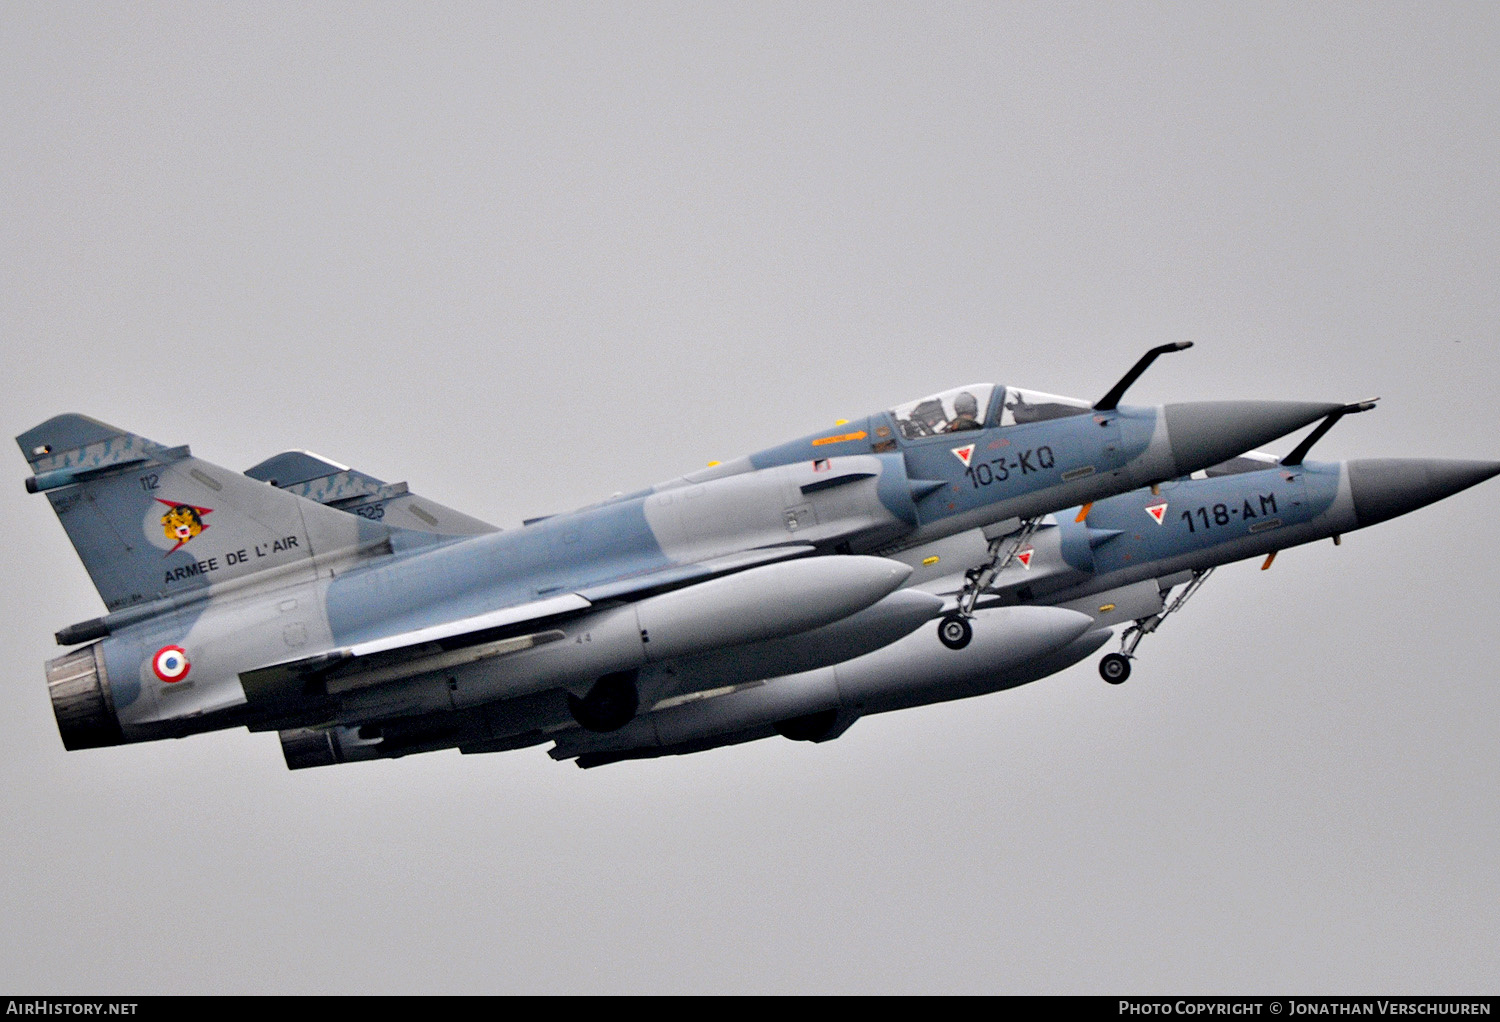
(856, 435)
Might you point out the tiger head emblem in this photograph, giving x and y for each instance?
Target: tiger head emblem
(182, 522)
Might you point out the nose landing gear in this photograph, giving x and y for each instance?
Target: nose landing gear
(954, 630)
(1115, 667)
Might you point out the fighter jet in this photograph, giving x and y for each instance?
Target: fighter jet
(355, 618)
(1119, 559)
(1084, 571)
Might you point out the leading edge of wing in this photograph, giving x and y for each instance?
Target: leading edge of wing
(552, 606)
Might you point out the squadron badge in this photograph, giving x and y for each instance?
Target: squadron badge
(182, 522)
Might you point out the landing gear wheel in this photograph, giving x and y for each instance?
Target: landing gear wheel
(609, 705)
(1114, 668)
(954, 631)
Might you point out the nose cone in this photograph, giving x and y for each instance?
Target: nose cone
(1386, 487)
(1204, 433)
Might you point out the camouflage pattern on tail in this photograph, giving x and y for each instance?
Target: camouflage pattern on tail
(358, 493)
(152, 522)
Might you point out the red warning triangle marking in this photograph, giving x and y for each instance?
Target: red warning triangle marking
(963, 454)
(1157, 511)
(1025, 558)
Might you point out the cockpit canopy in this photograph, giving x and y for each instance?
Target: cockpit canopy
(964, 408)
(952, 411)
(1023, 406)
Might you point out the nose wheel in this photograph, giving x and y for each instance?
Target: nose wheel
(1114, 668)
(954, 631)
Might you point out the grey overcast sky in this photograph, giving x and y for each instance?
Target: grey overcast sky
(525, 255)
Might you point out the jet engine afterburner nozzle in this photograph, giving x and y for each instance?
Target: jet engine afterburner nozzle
(1384, 488)
(79, 689)
(1204, 433)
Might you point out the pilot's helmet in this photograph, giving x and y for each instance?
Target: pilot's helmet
(966, 406)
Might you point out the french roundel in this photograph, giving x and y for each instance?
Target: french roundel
(171, 663)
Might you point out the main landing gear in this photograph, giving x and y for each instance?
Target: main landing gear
(954, 630)
(1115, 667)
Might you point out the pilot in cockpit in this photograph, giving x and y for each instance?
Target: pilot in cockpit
(965, 413)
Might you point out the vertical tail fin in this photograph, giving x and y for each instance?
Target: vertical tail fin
(151, 522)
